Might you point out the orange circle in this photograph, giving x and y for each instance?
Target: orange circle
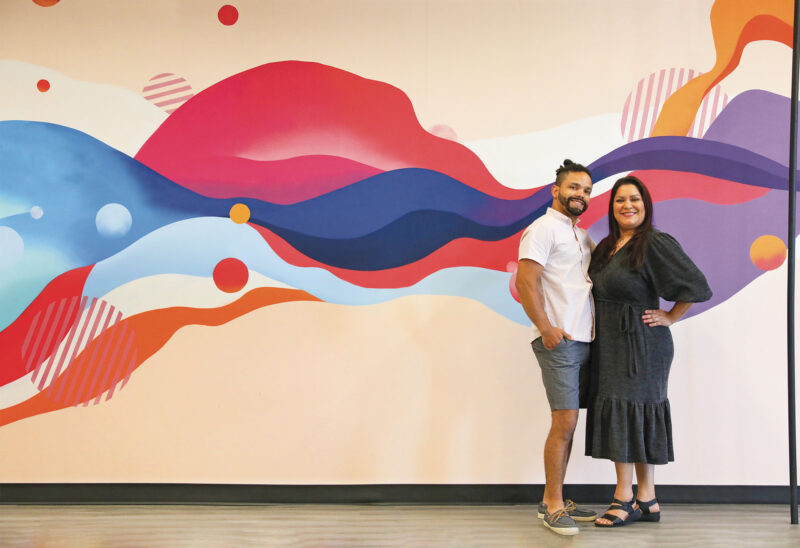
(768, 252)
(240, 213)
(43, 85)
(46, 3)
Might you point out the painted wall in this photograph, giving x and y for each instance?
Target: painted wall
(275, 241)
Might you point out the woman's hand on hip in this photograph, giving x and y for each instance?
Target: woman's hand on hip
(657, 317)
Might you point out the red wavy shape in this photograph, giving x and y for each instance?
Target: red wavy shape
(13, 337)
(670, 185)
(143, 334)
(290, 109)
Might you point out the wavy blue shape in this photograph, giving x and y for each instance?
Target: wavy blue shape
(384, 198)
(426, 230)
(165, 251)
(385, 221)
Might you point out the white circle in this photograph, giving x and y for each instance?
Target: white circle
(37, 212)
(11, 247)
(113, 220)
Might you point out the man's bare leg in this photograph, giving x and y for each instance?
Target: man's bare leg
(556, 455)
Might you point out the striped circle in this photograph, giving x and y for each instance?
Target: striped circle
(644, 103)
(167, 91)
(77, 350)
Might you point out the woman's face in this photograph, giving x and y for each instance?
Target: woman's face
(629, 208)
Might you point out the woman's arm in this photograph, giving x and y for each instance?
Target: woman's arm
(662, 317)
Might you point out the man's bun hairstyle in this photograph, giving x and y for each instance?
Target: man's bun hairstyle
(568, 166)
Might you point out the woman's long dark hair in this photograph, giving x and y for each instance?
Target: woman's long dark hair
(637, 246)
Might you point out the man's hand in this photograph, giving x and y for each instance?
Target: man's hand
(551, 337)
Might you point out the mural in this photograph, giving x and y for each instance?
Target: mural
(301, 182)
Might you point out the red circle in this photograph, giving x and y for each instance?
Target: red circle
(43, 85)
(230, 275)
(228, 15)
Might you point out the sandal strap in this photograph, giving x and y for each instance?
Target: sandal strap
(623, 505)
(648, 503)
(612, 518)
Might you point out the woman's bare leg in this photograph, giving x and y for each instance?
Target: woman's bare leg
(645, 484)
(624, 490)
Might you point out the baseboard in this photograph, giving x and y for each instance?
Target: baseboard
(173, 493)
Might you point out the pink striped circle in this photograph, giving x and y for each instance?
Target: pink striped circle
(167, 91)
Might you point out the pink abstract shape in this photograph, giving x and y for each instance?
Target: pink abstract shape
(512, 283)
(291, 109)
(282, 181)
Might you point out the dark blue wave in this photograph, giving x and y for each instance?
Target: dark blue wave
(404, 241)
(371, 204)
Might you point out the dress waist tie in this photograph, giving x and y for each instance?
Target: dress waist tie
(630, 324)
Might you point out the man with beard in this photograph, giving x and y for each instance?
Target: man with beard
(556, 293)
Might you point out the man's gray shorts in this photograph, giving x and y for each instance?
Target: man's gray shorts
(565, 373)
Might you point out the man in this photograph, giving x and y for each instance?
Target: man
(555, 290)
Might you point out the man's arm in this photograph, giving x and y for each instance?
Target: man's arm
(529, 287)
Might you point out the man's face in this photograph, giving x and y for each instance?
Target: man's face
(572, 195)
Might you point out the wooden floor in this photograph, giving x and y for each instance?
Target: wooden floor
(376, 525)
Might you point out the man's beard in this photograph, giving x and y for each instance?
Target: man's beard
(573, 209)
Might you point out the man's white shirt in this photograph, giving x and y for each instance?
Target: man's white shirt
(564, 250)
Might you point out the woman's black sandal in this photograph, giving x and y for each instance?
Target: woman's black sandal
(634, 514)
(647, 515)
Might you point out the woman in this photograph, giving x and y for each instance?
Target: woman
(628, 418)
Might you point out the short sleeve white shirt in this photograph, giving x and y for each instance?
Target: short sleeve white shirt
(564, 250)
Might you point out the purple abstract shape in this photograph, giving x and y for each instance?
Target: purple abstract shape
(711, 158)
(758, 121)
(717, 237)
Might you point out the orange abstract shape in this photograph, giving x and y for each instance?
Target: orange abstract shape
(230, 275)
(768, 252)
(142, 335)
(644, 103)
(239, 213)
(734, 24)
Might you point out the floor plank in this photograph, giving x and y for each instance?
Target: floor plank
(313, 525)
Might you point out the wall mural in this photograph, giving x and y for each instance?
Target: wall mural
(295, 181)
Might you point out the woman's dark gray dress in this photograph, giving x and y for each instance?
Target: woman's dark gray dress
(628, 417)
